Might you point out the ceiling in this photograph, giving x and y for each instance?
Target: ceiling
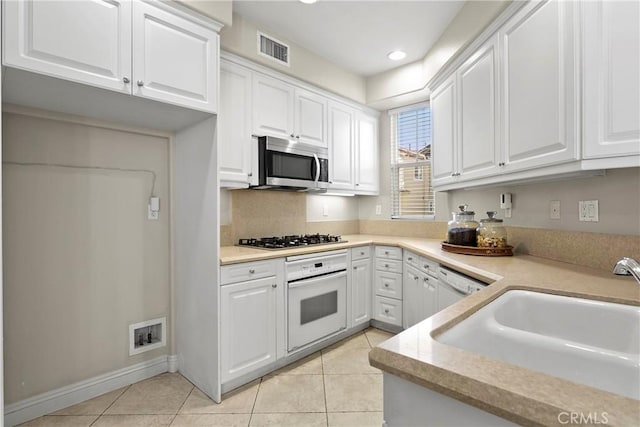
(356, 35)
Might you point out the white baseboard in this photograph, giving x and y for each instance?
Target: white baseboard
(63, 397)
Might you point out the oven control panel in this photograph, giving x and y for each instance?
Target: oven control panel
(316, 266)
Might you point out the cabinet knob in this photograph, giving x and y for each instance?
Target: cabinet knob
(426, 279)
(426, 266)
(355, 268)
(386, 310)
(386, 252)
(251, 271)
(140, 83)
(386, 266)
(292, 136)
(275, 285)
(361, 253)
(126, 79)
(297, 136)
(250, 174)
(415, 277)
(357, 184)
(410, 258)
(386, 285)
(501, 164)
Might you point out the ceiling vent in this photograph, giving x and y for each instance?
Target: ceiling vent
(272, 48)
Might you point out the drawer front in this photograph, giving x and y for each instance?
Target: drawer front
(389, 265)
(429, 266)
(412, 259)
(388, 310)
(362, 252)
(247, 271)
(389, 284)
(390, 252)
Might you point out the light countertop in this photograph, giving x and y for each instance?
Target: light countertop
(518, 394)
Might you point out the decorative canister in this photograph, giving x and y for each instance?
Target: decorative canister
(491, 233)
(461, 230)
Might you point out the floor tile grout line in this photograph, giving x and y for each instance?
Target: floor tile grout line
(255, 400)
(324, 391)
(193, 387)
(111, 404)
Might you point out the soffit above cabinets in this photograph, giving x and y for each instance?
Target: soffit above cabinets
(356, 35)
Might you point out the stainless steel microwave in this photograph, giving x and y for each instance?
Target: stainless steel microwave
(290, 165)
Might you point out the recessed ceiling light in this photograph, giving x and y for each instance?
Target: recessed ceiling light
(308, 1)
(396, 55)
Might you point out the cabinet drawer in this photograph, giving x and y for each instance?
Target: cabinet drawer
(360, 253)
(389, 265)
(389, 284)
(388, 310)
(390, 252)
(424, 264)
(247, 271)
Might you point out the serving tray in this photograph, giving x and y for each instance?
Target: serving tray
(473, 250)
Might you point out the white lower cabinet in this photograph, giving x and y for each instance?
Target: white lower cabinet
(388, 285)
(360, 286)
(420, 289)
(249, 325)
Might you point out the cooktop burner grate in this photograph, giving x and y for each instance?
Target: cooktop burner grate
(284, 242)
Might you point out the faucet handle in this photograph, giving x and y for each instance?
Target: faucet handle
(628, 267)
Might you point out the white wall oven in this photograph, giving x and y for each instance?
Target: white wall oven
(316, 293)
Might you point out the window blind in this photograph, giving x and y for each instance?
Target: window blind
(411, 188)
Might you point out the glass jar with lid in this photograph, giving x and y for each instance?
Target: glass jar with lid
(461, 230)
(491, 233)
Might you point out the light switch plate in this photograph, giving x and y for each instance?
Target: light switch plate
(588, 211)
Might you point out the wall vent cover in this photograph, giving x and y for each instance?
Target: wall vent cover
(272, 48)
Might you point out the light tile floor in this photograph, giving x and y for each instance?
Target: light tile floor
(333, 387)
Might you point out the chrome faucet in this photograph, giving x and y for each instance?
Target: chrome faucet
(628, 267)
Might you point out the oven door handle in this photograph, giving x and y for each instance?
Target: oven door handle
(317, 279)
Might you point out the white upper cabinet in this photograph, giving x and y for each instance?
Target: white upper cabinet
(282, 110)
(87, 42)
(443, 119)
(611, 82)
(341, 146)
(310, 117)
(234, 125)
(478, 132)
(272, 107)
(139, 48)
(539, 81)
(175, 60)
(366, 169)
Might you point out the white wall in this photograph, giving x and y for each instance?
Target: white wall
(305, 65)
(338, 208)
(220, 10)
(618, 195)
(81, 260)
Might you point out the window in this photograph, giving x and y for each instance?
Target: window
(411, 191)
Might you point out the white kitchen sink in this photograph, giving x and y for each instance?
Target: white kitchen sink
(589, 342)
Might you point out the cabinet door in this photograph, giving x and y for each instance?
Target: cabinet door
(443, 132)
(234, 127)
(310, 118)
(87, 42)
(174, 60)
(361, 290)
(611, 83)
(539, 74)
(478, 132)
(412, 301)
(341, 146)
(367, 173)
(248, 326)
(272, 107)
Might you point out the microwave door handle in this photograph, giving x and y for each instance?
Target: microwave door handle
(317, 174)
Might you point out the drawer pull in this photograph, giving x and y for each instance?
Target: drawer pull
(386, 252)
(386, 310)
(426, 266)
(410, 258)
(275, 285)
(386, 266)
(386, 285)
(251, 271)
(415, 278)
(426, 279)
(361, 253)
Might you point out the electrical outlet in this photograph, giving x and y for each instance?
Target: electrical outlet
(325, 210)
(554, 209)
(378, 209)
(588, 211)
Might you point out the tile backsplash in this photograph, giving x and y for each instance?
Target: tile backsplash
(272, 213)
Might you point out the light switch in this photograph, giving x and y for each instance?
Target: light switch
(588, 211)
(325, 210)
(554, 209)
(378, 209)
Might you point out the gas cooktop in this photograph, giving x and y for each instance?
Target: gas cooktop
(284, 242)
